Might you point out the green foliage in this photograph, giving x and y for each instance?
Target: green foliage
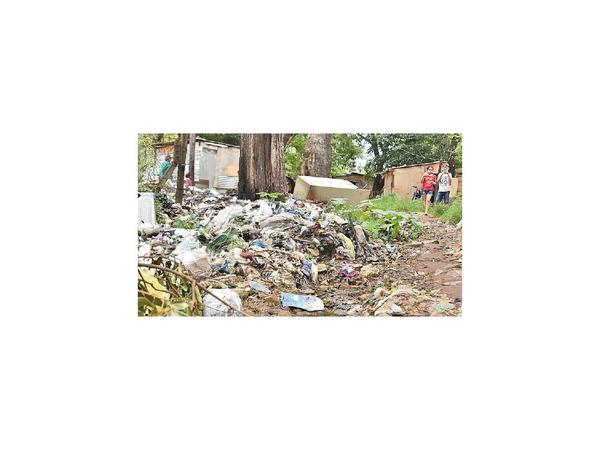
(345, 152)
(146, 160)
(391, 202)
(451, 213)
(271, 196)
(158, 208)
(293, 155)
(384, 217)
(393, 225)
(188, 224)
(391, 150)
(167, 293)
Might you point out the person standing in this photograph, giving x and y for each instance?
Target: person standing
(445, 180)
(427, 186)
(164, 166)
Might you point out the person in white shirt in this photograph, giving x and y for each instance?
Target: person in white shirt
(445, 181)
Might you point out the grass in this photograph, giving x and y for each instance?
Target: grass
(451, 213)
(391, 202)
(384, 217)
(365, 211)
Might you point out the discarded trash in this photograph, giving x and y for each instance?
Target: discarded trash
(318, 251)
(149, 229)
(196, 261)
(259, 287)
(226, 266)
(311, 270)
(379, 292)
(214, 308)
(348, 272)
(263, 212)
(348, 245)
(225, 215)
(306, 302)
(188, 243)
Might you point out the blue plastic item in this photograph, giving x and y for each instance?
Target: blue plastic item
(306, 302)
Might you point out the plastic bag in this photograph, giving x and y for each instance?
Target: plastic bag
(214, 308)
(225, 215)
(306, 302)
(188, 243)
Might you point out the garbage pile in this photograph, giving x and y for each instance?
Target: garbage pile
(264, 257)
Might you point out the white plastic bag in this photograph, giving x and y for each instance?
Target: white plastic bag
(214, 308)
(225, 215)
(190, 242)
(196, 261)
(264, 211)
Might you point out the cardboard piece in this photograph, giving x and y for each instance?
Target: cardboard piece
(324, 189)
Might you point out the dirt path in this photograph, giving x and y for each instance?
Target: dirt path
(434, 263)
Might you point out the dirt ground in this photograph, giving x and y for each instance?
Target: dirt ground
(422, 278)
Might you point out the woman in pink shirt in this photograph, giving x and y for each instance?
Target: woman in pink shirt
(427, 186)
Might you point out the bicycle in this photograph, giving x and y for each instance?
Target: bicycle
(417, 193)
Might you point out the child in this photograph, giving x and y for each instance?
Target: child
(188, 180)
(427, 186)
(445, 179)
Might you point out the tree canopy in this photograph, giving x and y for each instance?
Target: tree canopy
(391, 150)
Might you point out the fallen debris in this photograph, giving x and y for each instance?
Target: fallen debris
(285, 256)
(306, 302)
(222, 302)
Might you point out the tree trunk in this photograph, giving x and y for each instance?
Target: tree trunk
(451, 155)
(192, 160)
(378, 182)
(181, 149)
(317, 156)
(377, 188)
(262, 166)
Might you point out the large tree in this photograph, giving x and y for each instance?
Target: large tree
(317, 156)
(262, 166)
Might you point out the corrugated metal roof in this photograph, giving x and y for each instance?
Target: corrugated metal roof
(409, 165)
(225, 182)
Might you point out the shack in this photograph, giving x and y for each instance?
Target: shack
(403, 180)
(358, 179)
(216, 166)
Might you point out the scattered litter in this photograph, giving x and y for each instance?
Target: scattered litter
(259, 287)
(320, 256)
(306, 302)
(190, 242)
(196, 261)
(214, 307)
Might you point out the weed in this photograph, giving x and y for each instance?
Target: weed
(271, 196)
(384, 217)
(183, 223)
(451, 213)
